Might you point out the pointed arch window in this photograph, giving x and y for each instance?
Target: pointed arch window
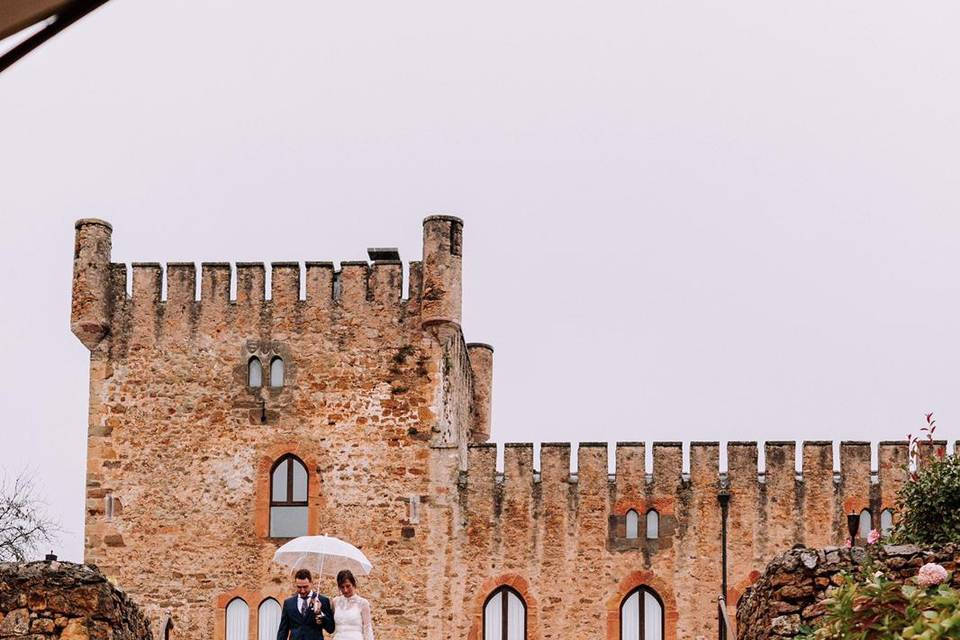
(269, 619)
(276, 372)
(866, 524)
(886, 522)
(238, 619)
(653, 524)
(641, 615)
(289, 484)
(168, 628)
(254, 373)
(504, 616)
(633, 524)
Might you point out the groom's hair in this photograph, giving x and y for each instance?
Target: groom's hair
(302, 574)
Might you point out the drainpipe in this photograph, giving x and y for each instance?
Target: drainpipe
(724, 498)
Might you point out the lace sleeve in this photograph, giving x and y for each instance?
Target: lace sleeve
(367, 620)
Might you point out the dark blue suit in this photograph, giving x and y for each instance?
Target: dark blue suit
(304, 627)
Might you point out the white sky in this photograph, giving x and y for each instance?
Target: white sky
(697, 220)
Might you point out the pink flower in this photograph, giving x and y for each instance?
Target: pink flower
(931, 574)
(873, 537)
(848, 543)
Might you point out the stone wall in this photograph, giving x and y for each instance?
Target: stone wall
(790, 592)
(40, 600)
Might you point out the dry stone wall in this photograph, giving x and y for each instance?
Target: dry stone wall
(45, 600)
(791, 591)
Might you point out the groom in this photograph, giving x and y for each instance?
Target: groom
(298, 621)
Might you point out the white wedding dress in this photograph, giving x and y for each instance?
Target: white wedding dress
(352, 617)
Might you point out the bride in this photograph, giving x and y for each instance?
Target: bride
(351, 613)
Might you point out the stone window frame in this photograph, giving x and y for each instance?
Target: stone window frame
(893, 520)
(505, 589)
(255, 632)
(627, 586)
(266, 457)
(519, 584)
(289, 458)
(220, 603)
(617, 534)
(250, 362)
(226, 613)
(636, 531)
(642, 589)
(283, 371)
(266, 351)
(646, 524)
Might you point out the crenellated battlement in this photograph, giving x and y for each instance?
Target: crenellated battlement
(641, 480)
(783, 460)
(176, 301)
(355, 282)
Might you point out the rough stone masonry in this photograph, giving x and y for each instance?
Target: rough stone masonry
(790, 593)
(387, 407)
(41, 600)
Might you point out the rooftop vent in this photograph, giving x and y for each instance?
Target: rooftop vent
(384, 254)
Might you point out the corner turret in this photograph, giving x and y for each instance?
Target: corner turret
(442, 270)
(90, 311)
(481, 363)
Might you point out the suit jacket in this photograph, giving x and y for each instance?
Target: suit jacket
(304, 627)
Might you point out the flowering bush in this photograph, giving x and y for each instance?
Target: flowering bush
(868, 606)
(931, 574)
(929, 502)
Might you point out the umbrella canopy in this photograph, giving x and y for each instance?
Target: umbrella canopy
(322, 555)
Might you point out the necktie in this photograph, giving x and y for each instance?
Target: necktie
(303, 605)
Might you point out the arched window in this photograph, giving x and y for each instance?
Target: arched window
(886, 522)
(238, 619)
(866, 524)
(504, 616)
(633, 524)
(254, 373)
(641, 615)
(269, 616)
(653, 524)
(276, 372)
(288, 498)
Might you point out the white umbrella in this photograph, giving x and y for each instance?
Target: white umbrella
(322, 554)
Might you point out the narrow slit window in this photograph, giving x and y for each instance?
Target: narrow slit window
(254, 373)
(866, 524)
(653, 524)
(886, 522)
(276, 372)
(633, 524)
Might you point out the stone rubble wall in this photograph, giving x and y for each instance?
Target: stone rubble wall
(791, 591)
(40, 600)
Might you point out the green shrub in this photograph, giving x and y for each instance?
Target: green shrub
(870, 607)
(928, 505)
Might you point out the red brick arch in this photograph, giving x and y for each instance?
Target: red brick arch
(521, 586)
(628, 584)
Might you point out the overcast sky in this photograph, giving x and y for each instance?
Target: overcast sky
(683, 220)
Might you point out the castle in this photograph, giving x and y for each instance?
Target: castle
(219, 426)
